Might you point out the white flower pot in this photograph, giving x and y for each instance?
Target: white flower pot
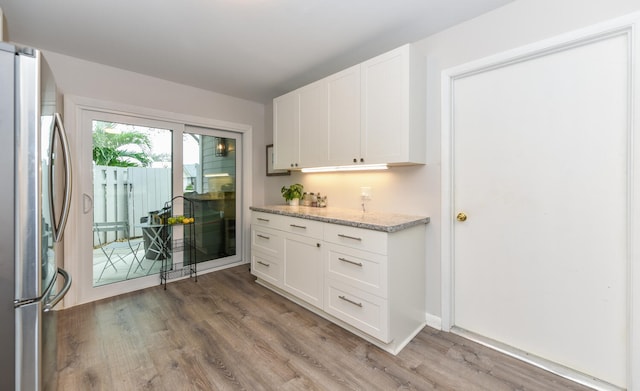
(294, 202)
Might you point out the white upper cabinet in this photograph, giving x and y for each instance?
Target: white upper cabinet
(286, 127)
(386, 135)
(344, 117)
(314, 121)
(373, 112)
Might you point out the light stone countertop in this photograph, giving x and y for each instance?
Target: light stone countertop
(377, 221)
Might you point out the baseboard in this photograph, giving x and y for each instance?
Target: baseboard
(434, 321)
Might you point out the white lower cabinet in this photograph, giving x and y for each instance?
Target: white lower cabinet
(267, 268)
(266, 254)
(362, 310)
(369, 282)
(363, 270)
(303, 268)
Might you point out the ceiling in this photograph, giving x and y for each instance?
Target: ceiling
(250, 49)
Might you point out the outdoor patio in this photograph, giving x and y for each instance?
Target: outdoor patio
(124, 270)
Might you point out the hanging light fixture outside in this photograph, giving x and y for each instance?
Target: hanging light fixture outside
(221, 146)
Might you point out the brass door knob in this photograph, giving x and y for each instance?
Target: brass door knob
(461, 216)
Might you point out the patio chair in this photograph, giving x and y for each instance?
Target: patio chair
(121, 248)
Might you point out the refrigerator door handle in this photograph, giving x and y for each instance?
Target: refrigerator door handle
(58, 227)
(65, 288)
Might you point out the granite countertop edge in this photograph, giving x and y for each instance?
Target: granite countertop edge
(395, 223)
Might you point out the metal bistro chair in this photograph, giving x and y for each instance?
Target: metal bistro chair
(118, 250)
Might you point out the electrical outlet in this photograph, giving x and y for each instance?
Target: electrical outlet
(365, 193)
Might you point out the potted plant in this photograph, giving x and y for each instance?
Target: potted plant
(292, 194)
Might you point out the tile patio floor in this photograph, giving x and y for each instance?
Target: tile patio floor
(124, 269)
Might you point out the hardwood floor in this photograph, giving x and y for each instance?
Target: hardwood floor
(226, 332)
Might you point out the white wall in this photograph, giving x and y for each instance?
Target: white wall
(416, 190)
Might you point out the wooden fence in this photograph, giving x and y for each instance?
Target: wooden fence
(127, 194)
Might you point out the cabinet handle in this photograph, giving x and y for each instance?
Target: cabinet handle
(350, 301)
(261, 219)
(263, 237)
(297, 226)
(355, 160)
(263, 264)
(361, 160)
(350, 237)
(351, 262)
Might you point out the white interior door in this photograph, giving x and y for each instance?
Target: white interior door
(541, 165)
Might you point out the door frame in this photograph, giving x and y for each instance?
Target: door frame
(628, 25)
(74, 109)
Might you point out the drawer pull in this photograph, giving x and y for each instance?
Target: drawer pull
(297, 226)
(263, 264)
(350, 237)
(261, 219)
(351, 262)
(350, 301)
(263, 237)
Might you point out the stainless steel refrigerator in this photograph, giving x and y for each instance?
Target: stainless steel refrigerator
(35, 194)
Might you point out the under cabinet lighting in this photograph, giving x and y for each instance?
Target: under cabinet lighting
(216, 175)
(362, 167)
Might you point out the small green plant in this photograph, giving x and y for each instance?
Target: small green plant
(292, 192)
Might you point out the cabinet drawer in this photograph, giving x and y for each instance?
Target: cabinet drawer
(267, 240)
(266, 268)
(267, 220)
(361, 310)
(359, 238)
(308, 228)
(362, 270)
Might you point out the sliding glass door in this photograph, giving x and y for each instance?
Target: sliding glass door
(135, 167)
(211, 179)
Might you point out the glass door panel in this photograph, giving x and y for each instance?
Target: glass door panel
(132, 174)
(210, 180)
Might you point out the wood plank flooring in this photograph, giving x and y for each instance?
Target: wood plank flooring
(226, 332)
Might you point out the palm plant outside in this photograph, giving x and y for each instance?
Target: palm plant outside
(129, 148)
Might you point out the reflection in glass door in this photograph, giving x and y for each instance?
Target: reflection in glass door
(131, 182)
(210, 180)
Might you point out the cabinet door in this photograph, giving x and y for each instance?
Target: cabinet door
(385, 107)
(286, 126)
(344, 116)
(314, 145)
(303, 269)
